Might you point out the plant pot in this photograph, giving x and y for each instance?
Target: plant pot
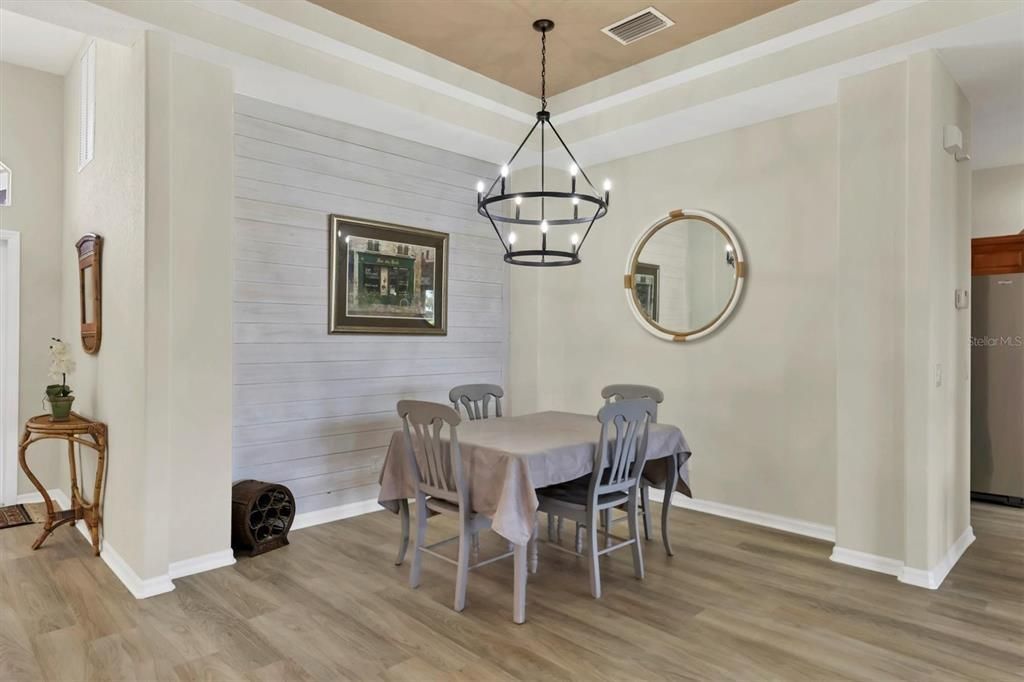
(60, 407)
(54, 390)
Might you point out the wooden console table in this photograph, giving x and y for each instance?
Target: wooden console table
(74, 430)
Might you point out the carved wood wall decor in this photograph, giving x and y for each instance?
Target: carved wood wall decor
(90, 278)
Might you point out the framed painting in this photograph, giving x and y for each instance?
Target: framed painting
(647, 281)
(386, 279)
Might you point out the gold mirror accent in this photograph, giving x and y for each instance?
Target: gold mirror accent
(684, 275)
(90, 277)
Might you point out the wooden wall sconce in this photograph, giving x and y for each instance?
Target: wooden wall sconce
(90, 249)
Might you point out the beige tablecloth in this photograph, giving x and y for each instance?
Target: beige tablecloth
(505, 460)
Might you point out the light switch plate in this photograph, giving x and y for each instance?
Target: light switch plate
(962, 299)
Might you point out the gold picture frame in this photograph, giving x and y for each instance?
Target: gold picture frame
(385, 278)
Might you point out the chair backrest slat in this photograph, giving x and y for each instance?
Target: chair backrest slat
(476, 399)
(614, 392)
(622, 448)
(437, 468)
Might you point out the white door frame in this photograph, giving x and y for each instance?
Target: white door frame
(10, 335)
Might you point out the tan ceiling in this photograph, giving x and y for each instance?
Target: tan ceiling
(496, 37)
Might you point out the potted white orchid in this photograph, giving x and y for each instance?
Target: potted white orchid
(59, 395)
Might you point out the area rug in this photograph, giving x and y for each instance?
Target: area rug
(15, 515)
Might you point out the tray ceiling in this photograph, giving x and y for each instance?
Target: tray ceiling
(496, 38)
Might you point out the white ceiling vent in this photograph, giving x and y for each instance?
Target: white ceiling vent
(636, 26)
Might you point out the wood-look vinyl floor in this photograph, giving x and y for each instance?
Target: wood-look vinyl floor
(736, 602)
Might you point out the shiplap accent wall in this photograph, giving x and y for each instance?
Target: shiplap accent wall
(315, 411)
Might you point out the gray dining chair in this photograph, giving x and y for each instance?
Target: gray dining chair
(618, 462)
(476, 399)
(614, 392)
(440, 487)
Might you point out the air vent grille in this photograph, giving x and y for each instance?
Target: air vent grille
(636, 26)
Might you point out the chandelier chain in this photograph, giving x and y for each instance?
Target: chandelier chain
(543, 70)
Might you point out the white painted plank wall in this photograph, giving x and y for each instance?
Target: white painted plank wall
(316, 411)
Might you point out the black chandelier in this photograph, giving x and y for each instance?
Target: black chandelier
(502, 207)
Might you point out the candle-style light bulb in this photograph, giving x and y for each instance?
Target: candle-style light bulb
(607, 191)
(573, 170)
(519, 203)
(511, 238)
(544, 227)
(479, 189)
(575, 241)
(575, 208)
(504, 176)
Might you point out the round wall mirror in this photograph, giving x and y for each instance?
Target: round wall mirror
(684, 275)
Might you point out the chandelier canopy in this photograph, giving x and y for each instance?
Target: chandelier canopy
(574, 207)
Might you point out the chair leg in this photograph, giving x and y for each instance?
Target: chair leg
(579, 539)
(645, 505)
(638, 558)
(421, 534)
(592, 557)
(533, 547)
(403, 545)
(606, 523)
(666, 505)
(551, 528)
(466, 539)
(558, 529)
(476, 545)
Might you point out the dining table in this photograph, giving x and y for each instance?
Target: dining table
(505, 460)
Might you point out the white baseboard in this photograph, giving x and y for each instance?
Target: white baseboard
(784, 523)
(933, 577)
(342, 511)
(870, 562)
(200, 564)
(35, 497)
(139, 587)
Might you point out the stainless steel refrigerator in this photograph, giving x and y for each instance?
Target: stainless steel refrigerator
(997, 388)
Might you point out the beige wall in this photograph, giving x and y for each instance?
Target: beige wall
(31, 125)
(756, 400)
(870, 311)
(159, 192)
(200, 305)
(108, 197)
(997, 201)
(937, 475)
(903, 393)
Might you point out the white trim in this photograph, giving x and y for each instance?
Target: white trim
(201, 564)
(34, 497)
(933, 577)
(418, 76)
(678, 72)
(870, 562)
(140, 588)
(758, 518)
(10, 181)
(10, 340)
(342, 511)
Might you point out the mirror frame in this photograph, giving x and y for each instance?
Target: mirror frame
(89, 249)
(634, 258)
